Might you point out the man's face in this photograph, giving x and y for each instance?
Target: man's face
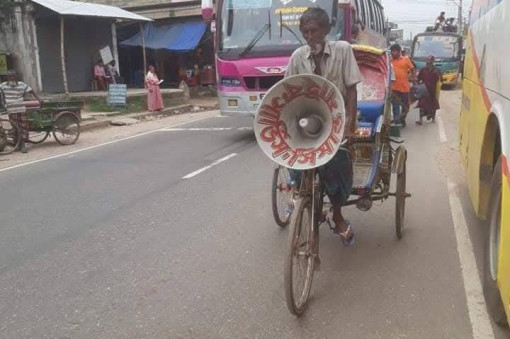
(11, 79)
(395, 53)
(314, 35)
(429, 61)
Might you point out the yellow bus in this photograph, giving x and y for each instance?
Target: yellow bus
(485, 142)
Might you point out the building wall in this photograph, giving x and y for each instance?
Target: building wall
(81, 50)
(16, 37)
(157, 9)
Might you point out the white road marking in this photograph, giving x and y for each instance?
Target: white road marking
(203, 169)
(206, 129)
(442, 130)
(197, 129)
(95, 146)
(480, 321)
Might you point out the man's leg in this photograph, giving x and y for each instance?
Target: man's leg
(23, 126)
(338, 218)
(395, 103)
(420, 119)
(405, 107)
(337, 176)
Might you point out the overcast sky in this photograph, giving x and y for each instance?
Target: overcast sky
(415, 15)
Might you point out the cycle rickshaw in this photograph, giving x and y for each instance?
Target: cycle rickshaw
(299, 125)
(62, 119)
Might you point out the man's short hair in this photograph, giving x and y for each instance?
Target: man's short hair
(316, 14)
(395, 47)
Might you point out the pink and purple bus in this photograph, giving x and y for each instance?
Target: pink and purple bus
(255, 39)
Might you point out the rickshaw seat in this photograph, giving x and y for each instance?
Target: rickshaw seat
(371, 110)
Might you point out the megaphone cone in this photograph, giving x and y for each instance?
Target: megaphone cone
(300, 122)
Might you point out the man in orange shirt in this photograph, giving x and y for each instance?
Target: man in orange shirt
(400, 87)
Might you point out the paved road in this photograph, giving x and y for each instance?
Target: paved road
(115, 242)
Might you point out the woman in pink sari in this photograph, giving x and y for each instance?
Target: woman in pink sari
(154, 99)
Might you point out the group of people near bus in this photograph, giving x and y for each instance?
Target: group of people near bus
(407, 86)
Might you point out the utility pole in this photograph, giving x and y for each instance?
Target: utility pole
(460, 20)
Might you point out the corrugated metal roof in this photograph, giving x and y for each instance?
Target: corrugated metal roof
(66, 7)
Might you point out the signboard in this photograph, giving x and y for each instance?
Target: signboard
(106, 55)
(248, 4)
(117, 95)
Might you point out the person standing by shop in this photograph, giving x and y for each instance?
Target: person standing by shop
(154, 98)
(14, 92)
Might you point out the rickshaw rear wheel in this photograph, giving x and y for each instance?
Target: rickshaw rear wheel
(300, 257)
(281, 196)
(37, 137)
(400, 207)
(10, 137)
(66, 128)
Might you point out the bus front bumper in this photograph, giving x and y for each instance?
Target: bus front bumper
(450, 79)
(240, 103)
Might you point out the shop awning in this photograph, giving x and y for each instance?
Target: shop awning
(177, 37)
(66, 7)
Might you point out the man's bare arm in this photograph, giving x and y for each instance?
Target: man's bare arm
(351, 108)
(36, 96)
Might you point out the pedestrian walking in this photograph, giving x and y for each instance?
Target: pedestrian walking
(14, 92)
(430, 76)
(400, 87)
(154, 98)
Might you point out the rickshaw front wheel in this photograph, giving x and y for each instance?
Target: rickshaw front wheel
(300, 257)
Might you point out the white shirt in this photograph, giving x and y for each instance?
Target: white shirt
(338, 64)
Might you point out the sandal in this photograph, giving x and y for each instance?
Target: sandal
(347, 237)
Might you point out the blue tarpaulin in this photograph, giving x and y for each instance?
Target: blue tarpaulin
(177, 37)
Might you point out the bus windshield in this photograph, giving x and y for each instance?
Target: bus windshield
(249, 27)
(440, 46)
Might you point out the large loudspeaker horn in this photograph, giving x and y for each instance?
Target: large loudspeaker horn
(300, 123)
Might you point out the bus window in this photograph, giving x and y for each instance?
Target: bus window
(363, 13)
(371, 15)
(376, 19)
